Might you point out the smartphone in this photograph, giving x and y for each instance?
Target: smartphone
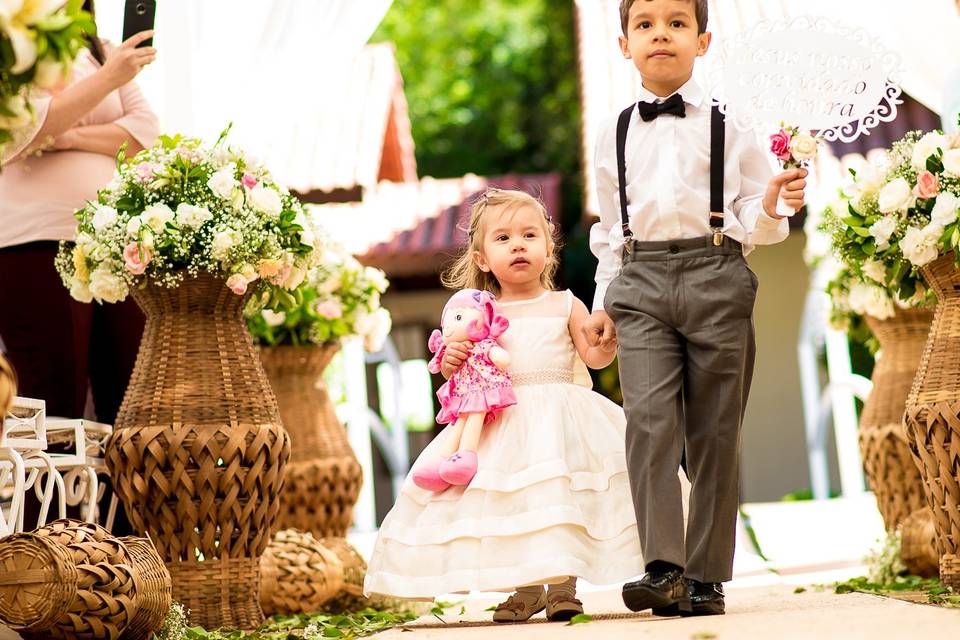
(138, 15)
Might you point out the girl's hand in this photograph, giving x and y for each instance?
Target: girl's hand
(454, 356)
(500, 357)
(126, 61)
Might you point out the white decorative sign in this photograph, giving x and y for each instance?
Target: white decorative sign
(811, 73)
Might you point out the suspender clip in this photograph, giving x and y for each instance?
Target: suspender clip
(716, 223)
(717, 238)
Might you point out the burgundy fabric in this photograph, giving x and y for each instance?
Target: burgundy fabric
(57, 345)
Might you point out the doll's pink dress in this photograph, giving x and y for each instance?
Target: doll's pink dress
(551, 497)
(478, 386)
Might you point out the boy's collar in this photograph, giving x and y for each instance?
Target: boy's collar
(691, 91)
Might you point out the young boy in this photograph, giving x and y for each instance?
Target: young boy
(683, 197)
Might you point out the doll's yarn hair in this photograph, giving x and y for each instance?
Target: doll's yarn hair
(465, 273)
(8, 386)
(491, 323)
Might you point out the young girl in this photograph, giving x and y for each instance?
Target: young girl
(550, 501)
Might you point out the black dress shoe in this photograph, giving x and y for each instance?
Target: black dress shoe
(665, 592)
(706, 598)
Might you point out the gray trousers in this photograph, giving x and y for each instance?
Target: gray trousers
(683, 311)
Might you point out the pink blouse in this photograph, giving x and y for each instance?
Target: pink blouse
(40, 193)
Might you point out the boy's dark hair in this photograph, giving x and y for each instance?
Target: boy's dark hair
(699, 9)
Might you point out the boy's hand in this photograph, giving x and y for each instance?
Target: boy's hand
(788, 185)
(599, 330)
(453, 357)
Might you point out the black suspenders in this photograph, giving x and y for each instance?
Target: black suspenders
(717, 143)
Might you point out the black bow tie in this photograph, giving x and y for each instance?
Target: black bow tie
(672, 105)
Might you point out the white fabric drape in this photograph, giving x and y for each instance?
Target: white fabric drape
(262, 64)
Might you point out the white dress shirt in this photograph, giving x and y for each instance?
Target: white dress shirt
(668, 184)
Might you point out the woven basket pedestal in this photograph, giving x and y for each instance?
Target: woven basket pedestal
(887, 460)
(38, 581)
(932, 416)
(323, 478)
(299, 574)
(198, 450)
(918, 548)
(155, 589)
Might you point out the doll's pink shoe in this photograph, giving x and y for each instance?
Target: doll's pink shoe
(427, 476)
(459, 468)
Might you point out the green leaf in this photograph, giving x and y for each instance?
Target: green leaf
(863, 232)
(580, 618)
(800, 590)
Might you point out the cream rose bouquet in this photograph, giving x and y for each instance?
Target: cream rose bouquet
(38, 41)
(339, 298)
(793, 147)
(902, 213)
(180, 208)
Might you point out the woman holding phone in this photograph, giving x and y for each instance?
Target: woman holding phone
(60, 347)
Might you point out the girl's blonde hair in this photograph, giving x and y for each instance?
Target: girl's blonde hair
(8, 387)
(464, 273)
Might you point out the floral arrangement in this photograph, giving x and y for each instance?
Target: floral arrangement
(902, 213)
(340, 297)
(180, 208)
(38, 41)
(794, 148)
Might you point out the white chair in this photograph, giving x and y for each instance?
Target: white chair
(81, 463)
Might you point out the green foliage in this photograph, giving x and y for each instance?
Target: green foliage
(580, 618)
(491, 87)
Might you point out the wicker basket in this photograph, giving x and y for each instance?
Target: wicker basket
(38, 581)
(155, 589)
(323, 478)
(932, 416)
(918, 548)
(299, 575)
(887, 460)
(198, 450)
(350, 596)
(108, 587)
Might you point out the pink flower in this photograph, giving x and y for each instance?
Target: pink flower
(136, 258)
(249, 181)
(780, 144)
(928, 185)
(331, 309)
(237, 283)
(145, 171)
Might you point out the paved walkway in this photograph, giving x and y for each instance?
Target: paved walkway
(772, 612)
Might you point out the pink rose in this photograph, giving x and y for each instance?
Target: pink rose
(331, 309)
(136, 258)
(928, 185)
(780, 144)
(145, 171)
(249, 181)
(237, 283)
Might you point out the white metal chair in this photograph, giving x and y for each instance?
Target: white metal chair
(81, 463)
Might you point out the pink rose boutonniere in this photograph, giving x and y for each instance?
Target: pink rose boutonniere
(794, 148)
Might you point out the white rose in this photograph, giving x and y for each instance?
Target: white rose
(926, 147)
(107, 286)
(382, 322)
(803, 147)
(377, 278)
(364, 322)
(306, 236)
(896, 196)
(921, 246)
(882, 229)
(266, 200)
(133, 225)
(868, 181)
(223, 241)
(156, 216)
(223, 183)
(875, 270)
(944, 211)
(79, 290)
(86, 242)
(103, 217)
(273, 318)
(329, 285)
(871, 300)
(294, 279)
(49, 73)
(192, 216)
(951, 163)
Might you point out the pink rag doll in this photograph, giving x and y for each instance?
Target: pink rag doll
(474, 394)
